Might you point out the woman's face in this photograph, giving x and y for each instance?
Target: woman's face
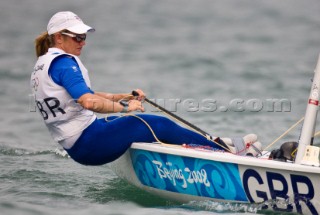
(70, 42)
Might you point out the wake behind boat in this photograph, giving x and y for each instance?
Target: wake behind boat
(189, 174)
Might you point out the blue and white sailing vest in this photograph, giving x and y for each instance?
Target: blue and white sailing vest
(63, 116)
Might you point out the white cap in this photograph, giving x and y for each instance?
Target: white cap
(69, 21)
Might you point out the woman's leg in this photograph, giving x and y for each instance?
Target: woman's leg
(104, 141)
(168, 131)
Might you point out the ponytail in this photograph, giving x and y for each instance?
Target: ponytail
(42, 43)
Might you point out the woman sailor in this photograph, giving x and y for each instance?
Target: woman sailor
(68, 104)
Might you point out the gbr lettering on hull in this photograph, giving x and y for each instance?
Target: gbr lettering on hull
(299, 192)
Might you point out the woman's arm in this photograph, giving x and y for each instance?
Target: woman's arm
(62, 73)
(121, 96)
(100, 104)
(114, 97)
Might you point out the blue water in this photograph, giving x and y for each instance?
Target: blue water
(182, 54)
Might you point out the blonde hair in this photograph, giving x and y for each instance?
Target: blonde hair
(43, 42)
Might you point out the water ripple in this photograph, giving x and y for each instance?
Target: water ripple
(21, 152)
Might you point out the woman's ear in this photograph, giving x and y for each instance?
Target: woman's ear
(58, 38)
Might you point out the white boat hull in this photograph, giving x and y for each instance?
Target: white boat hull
(184, 175)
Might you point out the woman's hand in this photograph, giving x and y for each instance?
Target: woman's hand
(141, 95)
(135, 105)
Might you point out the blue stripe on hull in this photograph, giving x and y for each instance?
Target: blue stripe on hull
(186, 175)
